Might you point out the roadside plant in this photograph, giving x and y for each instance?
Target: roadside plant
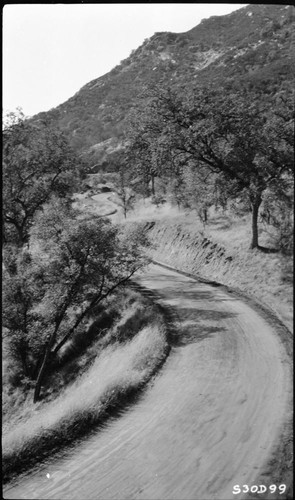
(50, 289)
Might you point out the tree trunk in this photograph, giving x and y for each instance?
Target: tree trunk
(38, 363)
(153, 184)
(49, 343)
(41, 374)
(255, 211)
(24, 363)
(52, 338)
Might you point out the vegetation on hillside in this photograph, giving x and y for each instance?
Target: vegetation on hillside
(100, 369)
(251, 48)
(57, 267)
(219, 253)
(38, 163)
(211, 114)
(203, 120)
(68, 317)
(216, 148)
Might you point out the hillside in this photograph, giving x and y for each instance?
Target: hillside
(174, 236)
(251, 48)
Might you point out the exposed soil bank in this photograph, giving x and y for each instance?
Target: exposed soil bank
(251, 272)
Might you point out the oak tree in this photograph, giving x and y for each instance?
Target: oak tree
(72, 265)
(37, 162)
(247, 143)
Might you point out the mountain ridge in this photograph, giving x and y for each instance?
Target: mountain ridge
(250, 48)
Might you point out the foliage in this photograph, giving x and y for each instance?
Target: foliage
(72, 266)
(37, 162)
(118, 370)
(201, 192)
(117, 320)
(246, 145)
(278, 220)
(19, 289)
(124, 192)
(57, 266)
(227, 51)
(220, 254)
(228, 139)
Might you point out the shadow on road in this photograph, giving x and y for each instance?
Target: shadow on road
(198, 324)
(183, 305)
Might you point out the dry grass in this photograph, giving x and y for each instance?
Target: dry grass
(93, 201)
(178, 235)
(121, 368)
(227, 258)
(144, 210)
(116, 364)
(130, 352)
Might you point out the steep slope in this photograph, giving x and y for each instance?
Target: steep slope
(251, 47)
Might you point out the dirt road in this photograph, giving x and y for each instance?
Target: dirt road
(211, 419)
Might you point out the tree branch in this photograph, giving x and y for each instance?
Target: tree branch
(94, 302)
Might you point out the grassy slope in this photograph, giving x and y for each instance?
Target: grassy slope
(178, 237)
(119, 370)
(102, 376)
(181, 242)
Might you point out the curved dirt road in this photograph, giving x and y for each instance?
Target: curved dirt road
(210, 420)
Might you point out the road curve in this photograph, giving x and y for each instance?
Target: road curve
(211, 419)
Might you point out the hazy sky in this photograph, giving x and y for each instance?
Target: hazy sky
(51, 50)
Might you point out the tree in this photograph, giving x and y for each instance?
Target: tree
(202, 192)
(37, 162)
(124, 192)
(122, 180)
(277, 217)
(17, 302)
(248, 144)
(72, 266)
(145, 157)
(58, 265)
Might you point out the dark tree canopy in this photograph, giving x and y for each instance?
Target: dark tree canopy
(58, 263)
(72, 265)
(37, 162)
(247, 143)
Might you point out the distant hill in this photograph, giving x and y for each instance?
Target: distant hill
(251, 48)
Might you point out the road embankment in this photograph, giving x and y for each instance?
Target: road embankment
(118, 374)
(256, 274)
(214, 417)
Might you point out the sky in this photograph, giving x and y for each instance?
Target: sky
(50, 51)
